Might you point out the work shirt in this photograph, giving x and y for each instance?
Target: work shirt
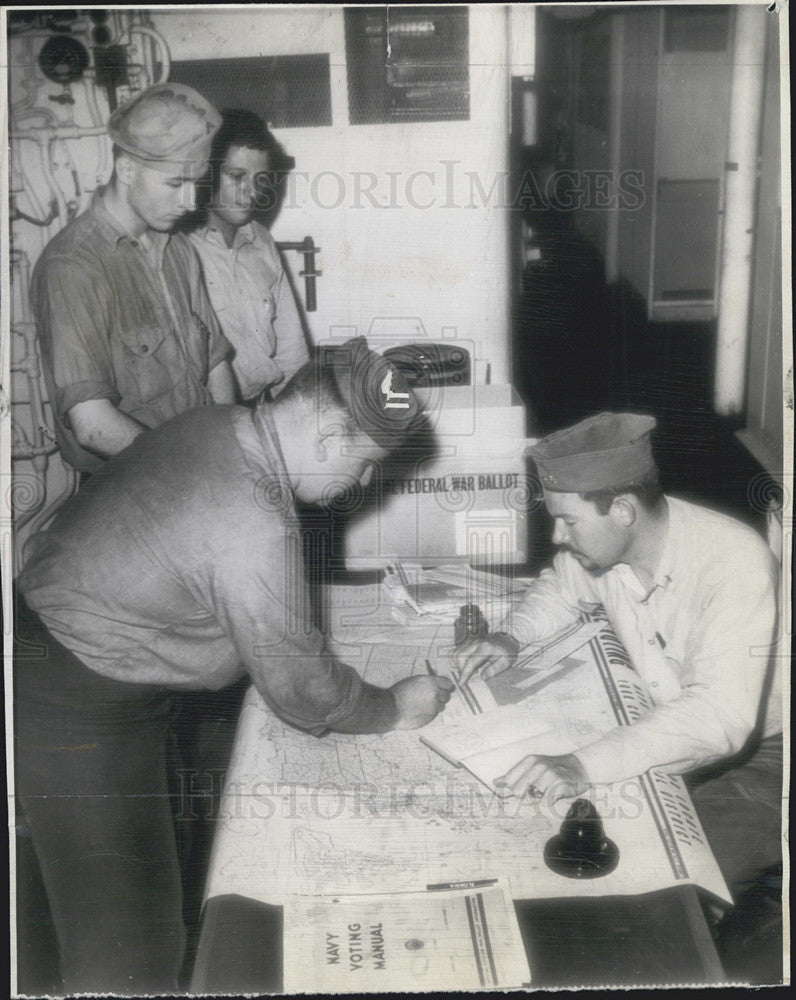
(180, 565)
(701, 639)
(254, 303)
(122, 318)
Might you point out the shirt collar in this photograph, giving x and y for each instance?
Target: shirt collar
(111, 229)
(114, 232)
(665, 577)
(666, 572)
(155, 244)
(264, 424)
(246, 234)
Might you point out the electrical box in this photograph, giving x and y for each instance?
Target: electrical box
(407, 63)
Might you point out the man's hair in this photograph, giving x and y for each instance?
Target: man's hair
(314, 386)
(647, 491)
(238, 128)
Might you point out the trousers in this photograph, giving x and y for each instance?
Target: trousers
(739, 804)
(91, 783)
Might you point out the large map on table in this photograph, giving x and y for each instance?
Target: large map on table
(355, 814)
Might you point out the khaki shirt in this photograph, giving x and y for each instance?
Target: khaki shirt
(123, 319)
(180, 565)
(254, 302)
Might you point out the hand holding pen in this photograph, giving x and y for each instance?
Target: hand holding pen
(468, 697)
(491, 655)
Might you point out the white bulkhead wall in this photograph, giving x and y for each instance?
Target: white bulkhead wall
(407, 256)
(411, 218)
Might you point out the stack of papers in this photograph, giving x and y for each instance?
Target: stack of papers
(437, 594)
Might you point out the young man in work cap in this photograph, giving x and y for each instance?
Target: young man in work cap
(128, 336)
(179, 566)
(692, 594)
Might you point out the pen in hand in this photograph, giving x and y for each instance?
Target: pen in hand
(456, 683)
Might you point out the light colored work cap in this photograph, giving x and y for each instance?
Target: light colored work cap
(166, 126)
(611, 449)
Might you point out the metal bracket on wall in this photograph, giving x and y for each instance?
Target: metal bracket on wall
(309, 274)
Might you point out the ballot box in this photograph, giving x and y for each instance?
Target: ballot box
(458, 493)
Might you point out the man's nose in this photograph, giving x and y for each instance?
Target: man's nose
(247, 190)
(189, 196)
(560, 534)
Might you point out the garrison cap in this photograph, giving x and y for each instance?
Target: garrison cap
(166, 125)
(374, 391)
(610, 449)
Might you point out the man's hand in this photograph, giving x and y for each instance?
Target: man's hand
(562, 776)
(221, 383)
(420, 699)
(491, 656)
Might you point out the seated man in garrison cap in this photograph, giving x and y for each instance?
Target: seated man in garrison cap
(692, 594)
(128, 336)
(179, 566)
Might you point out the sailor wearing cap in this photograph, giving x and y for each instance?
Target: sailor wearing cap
(128, 336)
(179, 566)
(692, 594)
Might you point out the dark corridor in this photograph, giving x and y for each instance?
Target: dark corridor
(581, 346)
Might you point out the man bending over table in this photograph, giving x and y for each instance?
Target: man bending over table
(179, 567)
(692, 594)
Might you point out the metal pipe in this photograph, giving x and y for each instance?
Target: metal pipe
(103, 171)
(165, 58)
(40, 132)
(309, 274)
(35, 113)
(45, 146)
(746, 112)
(33, 198)
(29, 82)
(37, 450)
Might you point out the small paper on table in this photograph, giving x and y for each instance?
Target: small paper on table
(462, 937)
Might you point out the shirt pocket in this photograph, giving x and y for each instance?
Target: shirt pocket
(146, 364)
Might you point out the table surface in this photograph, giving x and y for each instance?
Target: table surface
(619, 940)
(650, 940)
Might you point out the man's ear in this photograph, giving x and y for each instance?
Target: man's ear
(623, 510)
(123, 168)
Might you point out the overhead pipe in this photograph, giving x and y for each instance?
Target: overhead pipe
(103, 164)
(58, 132)
(46, 113)
(165, 58)
(45, 150)
(29, 190)
(735, 289)
(45, 136)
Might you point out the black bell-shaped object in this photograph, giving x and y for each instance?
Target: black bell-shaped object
(581, 849)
